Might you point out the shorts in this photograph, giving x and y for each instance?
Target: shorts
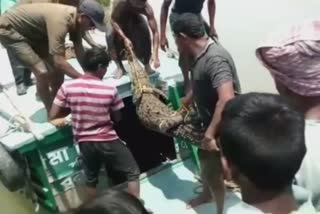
(114, 156)
(137, 30)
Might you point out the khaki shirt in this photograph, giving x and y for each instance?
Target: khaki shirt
(48, 24)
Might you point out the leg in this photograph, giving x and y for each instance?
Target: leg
(27, 56)
(56, 78)
(139, 34)
(205, 196)
(18, 71)
(42, 83)
(120, 161)
(91, 165)
(27, 78)
(114, 49)
(213, 176)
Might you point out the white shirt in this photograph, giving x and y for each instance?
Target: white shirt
(302, 196)
(308, 175)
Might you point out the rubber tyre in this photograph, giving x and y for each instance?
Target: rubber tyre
(11, 175)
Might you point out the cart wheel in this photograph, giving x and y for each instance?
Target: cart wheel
(11, 175)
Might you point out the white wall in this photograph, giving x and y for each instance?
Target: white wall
(241, 24)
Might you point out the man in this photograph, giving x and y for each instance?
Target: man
(76, 3)
(94, 106)
(262, 144)
(130, 29)
(22, 76)
(214, 81)
(35, 34)
(180, 7)
(293, 58)
(113, 202)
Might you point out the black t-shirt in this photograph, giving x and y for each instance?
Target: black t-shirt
(187, 6)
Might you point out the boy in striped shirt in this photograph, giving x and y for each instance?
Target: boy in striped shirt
(94, 106)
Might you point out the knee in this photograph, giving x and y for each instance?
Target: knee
(40, 71)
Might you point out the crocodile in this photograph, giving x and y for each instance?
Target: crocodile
(152, 111)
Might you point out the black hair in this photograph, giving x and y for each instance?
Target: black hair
(263, 136)
(114, 202)
(189, 24)
(94, 58)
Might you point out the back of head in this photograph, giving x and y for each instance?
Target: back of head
(263, 137)
(94, 59)
(190, 25)
(114, 202)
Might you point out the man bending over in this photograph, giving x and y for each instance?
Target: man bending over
(35, 34)
(131, 29)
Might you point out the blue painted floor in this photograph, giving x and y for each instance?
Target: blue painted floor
(168, 191)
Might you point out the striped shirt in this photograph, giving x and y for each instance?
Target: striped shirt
(90, 101)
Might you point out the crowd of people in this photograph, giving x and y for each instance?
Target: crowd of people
(264, 143)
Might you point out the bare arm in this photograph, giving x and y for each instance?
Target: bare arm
(117, 11)
(116, 116)
(154, 28)
(225, 93)
(163, 23)
(61, 63)
(212, 14)
(57, 115)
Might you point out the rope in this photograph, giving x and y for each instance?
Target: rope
(21, 120)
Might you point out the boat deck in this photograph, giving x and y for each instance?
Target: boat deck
(164, 192)
(170, 189)
(30, 107)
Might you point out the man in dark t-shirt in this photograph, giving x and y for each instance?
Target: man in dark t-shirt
(214, 81)
(180, 7)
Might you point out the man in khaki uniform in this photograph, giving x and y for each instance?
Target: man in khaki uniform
(36, 33)
(87, 37)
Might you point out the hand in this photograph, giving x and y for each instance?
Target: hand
(185, 101)
(59, 122)
(156, 62)
(213, 32)
(164, 44)
(209, 143)
(127, 43)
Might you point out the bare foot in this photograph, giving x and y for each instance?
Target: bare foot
(199, 200)
(118, 73)
(149, 70)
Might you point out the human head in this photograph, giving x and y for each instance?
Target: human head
(137, 3)
(114, 202)
(91, 15)
(293, 58)
(262, 141)
(187, 29)
(96, 61)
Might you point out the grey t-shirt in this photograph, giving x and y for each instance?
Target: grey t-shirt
(187, 6)
(213, 67)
